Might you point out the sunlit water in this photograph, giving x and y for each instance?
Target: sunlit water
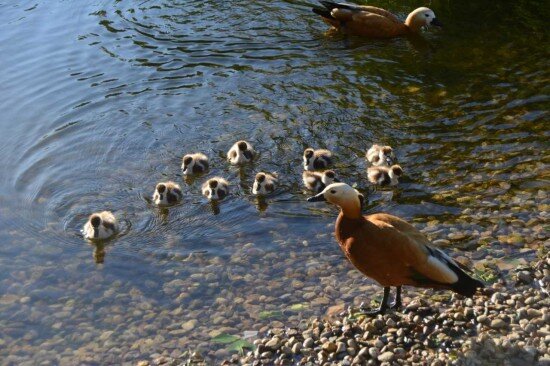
(100, 102)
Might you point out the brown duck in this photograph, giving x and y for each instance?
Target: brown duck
(391, 251)
(373, 22)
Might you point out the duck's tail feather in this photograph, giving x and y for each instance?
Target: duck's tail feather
(332, 5)
(465, 285)
(322, 12)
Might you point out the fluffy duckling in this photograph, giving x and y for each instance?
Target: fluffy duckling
(317, 181)
(264, 183)
(317, 159)
(373, 22)
(167, 193)
(384, 176)
(241, 152)
(391, 251)
(379, 155)
(100, 225)
(194, 164)
(215, 189)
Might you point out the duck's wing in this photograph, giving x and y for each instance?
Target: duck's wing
(347, 12)
(429, 266)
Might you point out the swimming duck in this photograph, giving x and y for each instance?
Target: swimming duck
(100, 225)
(384, 176)
(391, 251)
(215, 188)
(379, 155)
(264, 183)
(373, 22)
(317, 159)
(241, 152)
(167, 193)
(194, 164)
(317, 181)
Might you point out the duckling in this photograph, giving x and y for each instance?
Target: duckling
(100, 225)
(317, 159)
(241, 152)
(391, 251)
(167, 193)
(215, 188)
(384, 176)
(379, 155)
(373, 22)
(194, 164)
(264, 183)
(317, 181)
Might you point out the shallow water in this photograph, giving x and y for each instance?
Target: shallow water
(101, 101)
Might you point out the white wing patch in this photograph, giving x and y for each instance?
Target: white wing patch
(440, 272)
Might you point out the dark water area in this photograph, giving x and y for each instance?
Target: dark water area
(100, 101)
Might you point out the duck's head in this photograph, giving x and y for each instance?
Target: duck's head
(396, 170)
(161, 188)
(388, 155)
(215, 189)
(187, 160)
(329, 176)
(347, 198)
(242, 145)
(260, 177)
(422, 17)
(95, 220)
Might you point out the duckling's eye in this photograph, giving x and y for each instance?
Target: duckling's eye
(332, 191)
(427, 15)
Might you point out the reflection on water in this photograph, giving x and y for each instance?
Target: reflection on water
(102, 101)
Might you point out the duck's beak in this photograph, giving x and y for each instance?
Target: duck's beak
(436, 22)
(318, 198)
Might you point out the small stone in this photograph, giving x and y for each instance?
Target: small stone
(340, 347)
(274, 343)
(143, 363)
(482, 319)
(498, 323)
(329, 347)
(497, 298)
(266, 354)
(524, 277)
(296, 348)
(308, 343)
(386, 357)
(189, 325)
(373, 352)
(534, 313)
(457, 236)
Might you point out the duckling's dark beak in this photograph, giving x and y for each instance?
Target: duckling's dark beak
(318, 198)
(436, 22)
(389, 160)
(336, 180)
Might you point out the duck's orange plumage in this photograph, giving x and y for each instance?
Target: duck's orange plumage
(373, 22)
(392, 251)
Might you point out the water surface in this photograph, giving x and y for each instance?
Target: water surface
(101, 101)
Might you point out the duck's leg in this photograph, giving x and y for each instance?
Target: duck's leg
(383, 305)
(397, 303)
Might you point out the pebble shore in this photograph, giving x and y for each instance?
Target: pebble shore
(506, 324)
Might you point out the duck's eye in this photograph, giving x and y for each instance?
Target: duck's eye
(332, 191)
(427, 15)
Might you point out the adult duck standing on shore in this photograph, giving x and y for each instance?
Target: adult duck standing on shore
(392, 251)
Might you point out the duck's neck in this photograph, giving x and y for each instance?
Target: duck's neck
(413, 23)
(351, 210)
